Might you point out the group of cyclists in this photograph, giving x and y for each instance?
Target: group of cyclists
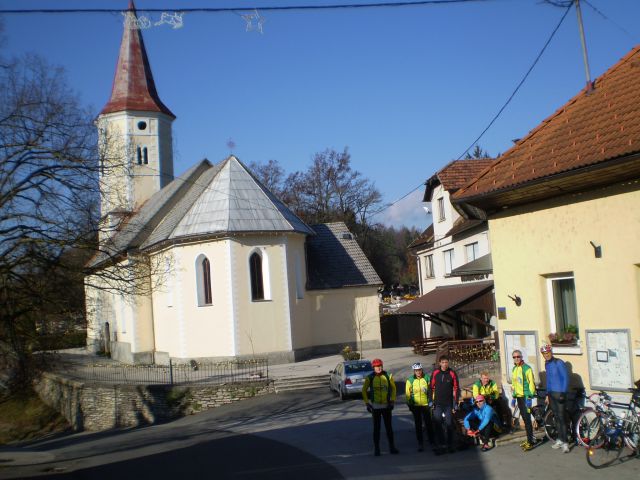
(434, 401)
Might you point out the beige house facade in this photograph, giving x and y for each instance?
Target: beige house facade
(210, 265)
(563, 207)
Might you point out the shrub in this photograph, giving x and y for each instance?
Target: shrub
(349, 354)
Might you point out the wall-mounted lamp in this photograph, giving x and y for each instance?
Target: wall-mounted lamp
(516, 299)
(597, 250)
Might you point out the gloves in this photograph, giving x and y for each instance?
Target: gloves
(472, 433)
(529, 403)
(562, 397)
(513, 403)
(430, 404)
(391, 405)
(369, 408)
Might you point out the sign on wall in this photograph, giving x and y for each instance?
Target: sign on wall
(527, 343)
(610, 361)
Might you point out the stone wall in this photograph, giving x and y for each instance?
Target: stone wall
(102, 406)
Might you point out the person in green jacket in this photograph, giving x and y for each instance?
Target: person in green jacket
(524, 389)
(417, 395)
(379, 395)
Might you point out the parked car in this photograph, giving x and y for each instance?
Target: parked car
(348, 377)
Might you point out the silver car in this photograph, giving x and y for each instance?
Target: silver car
(348, 377)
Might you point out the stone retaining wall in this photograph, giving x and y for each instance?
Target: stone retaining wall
(101, 406)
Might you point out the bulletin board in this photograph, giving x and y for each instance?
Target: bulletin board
(610, 360)
(527, 343)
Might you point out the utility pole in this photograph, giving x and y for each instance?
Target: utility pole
(584, 46)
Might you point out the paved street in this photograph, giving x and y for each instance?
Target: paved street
(309, 434)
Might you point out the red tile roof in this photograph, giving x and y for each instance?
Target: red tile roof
(593, 127)
(133, 85)
(457, 174)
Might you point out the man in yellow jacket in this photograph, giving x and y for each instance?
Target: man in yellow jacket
(524, 389)
(379, 395)
(417, 395)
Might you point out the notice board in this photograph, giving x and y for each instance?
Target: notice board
(610, 360)
(527, 343)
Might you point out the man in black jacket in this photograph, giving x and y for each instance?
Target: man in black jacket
(445, 392)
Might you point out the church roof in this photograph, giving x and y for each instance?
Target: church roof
(133, 86)
(207, 201)
(336, 260)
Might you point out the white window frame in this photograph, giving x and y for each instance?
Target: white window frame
(450, 253)
(441, 213)
(429, 271)
(475, 249)
(551, 300)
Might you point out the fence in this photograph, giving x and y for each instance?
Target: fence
(174, 374)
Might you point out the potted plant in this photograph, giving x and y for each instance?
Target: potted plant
(568, 337)
(349, 354)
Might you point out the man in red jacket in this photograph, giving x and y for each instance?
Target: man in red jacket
(445, 391)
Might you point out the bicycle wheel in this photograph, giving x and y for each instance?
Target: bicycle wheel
(608, 453)
(584, 432)
(632, 436)
(550, 429)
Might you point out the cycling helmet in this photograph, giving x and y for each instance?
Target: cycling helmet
(417, 366)
(376, 362)
(546, 348)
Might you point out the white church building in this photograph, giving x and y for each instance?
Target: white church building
(232, 272)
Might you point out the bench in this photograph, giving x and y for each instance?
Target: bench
(423, 346)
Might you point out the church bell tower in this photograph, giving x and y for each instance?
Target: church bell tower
(134, 129)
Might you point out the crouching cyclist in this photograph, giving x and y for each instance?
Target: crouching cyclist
(482, 421)
(379, 395)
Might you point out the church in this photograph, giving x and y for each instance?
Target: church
(229, 271)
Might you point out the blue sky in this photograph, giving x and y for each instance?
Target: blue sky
(406, 89)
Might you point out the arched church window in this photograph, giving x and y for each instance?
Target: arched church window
(145, 156)
(203, 281)
(139, 155)
(255, 271)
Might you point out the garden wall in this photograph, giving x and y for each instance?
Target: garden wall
(102, 406)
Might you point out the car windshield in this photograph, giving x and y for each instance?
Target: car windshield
(358, 367)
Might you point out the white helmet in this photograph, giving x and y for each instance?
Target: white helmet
(417, 366)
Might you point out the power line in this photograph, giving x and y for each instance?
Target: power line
(242, 9)
(526, 75)
(497, 114)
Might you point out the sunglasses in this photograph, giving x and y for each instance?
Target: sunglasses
(479, 401)
(517, 356)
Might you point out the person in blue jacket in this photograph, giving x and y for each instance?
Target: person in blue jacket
(557, 390)
(482, 421)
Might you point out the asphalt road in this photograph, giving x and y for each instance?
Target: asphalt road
(304, 435)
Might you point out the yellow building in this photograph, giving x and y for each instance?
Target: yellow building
(563, 207)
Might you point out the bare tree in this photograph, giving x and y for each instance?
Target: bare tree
(49, 196)
(362, 320)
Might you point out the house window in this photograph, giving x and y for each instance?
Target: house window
(471, 251)
(448, 261)
(203, 281)
(428, 267)
(563, 310)
(441, 213)
(255, 271)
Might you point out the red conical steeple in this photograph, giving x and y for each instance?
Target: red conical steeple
(133, 86)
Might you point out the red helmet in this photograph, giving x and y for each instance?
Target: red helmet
(546, 348)
(376, 362)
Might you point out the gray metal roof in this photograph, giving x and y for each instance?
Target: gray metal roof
(480, 266)
(207, 200)
(335, 260)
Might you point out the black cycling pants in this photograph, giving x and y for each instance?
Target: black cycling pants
(526, 417)
(558, 404)
(384, 414)
(422, 416)
(443, 420)
(487, 432)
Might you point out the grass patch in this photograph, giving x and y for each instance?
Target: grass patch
(23, 416)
